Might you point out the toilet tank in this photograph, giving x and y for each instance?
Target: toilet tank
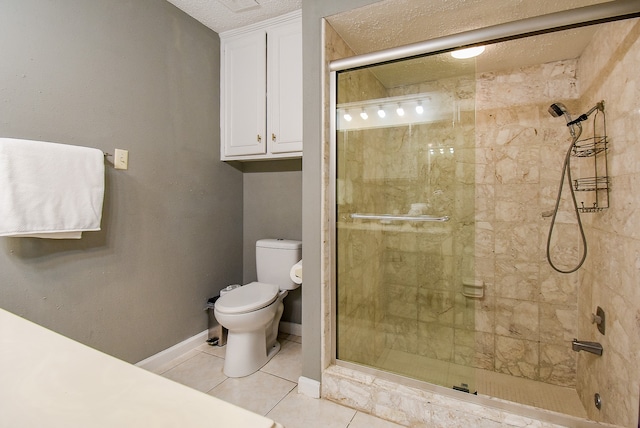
(274, 259)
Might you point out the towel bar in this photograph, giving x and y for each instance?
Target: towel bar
(399, 217)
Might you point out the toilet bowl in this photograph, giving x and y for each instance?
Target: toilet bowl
(248, 312)
(252, 312)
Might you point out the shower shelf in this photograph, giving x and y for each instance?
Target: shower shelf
(595, 148)
(591, 184)
(589, 147)
(399, 217)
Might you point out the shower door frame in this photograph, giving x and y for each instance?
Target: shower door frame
(559, 21)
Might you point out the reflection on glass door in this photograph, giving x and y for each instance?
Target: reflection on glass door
(405, 172)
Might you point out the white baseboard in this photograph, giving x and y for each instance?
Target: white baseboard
(290, 328)
(308, 387)
(158, 360)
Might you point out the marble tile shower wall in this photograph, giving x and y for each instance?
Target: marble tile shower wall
(520, 149)
(608, 70)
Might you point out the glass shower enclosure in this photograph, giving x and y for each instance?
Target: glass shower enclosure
(407, 292)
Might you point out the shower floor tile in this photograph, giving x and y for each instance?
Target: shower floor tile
(498, 385)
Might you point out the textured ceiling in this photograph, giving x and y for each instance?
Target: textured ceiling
(219, 18)
(391, 23)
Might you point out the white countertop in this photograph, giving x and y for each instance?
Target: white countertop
(50, 380)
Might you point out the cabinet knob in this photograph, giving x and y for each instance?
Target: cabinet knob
(259, 138)
(273, 137)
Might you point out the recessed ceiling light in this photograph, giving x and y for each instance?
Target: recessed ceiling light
(239, 5)
(468, 52)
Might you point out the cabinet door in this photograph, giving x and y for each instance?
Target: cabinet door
(284, 87)
(243, 95)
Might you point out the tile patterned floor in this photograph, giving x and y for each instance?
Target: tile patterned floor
(272, 391)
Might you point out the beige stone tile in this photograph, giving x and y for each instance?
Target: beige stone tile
(299, 411)
(558, 364)
(515, 202)
(484, 240)
(474, 349)
(517, 164)
(514, 241)
(171, 364)
(559, 289)
(519, 358)
(401, 333)
(287, 363)
(435, 341)
(517, 319)
(435, 306)
(401, 300)
(291, 337)
(202, 372)
(565, 246)
(363, 420)
(258, 392)
(218, 351)
(558, 323)
(475, 314)
(517, 280)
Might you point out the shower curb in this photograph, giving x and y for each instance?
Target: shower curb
(434, 406)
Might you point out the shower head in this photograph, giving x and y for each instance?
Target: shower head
(559, 109)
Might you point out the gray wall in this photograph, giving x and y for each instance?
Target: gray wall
(272, 209)
(138, 75)
(312, 13)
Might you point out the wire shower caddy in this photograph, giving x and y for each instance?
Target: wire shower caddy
(596, 148)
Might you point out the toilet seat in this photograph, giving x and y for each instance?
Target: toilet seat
(248, 298)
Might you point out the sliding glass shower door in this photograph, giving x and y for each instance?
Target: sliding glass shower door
(405, 229)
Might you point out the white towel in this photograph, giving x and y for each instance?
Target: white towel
(49, 190)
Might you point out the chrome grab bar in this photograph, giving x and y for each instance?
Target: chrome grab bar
(398, 217)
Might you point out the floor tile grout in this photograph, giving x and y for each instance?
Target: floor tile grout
(280, 401)
(282, 389)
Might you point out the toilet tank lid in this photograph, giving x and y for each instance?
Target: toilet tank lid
(279, 243)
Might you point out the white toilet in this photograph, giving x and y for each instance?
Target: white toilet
(252, 312)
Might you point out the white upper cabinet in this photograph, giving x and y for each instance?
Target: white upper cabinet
(242, 94)
(261, 90)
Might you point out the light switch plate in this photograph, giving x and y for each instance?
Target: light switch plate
(121, 159)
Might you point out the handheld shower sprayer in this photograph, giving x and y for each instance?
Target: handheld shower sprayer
(557, 110)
